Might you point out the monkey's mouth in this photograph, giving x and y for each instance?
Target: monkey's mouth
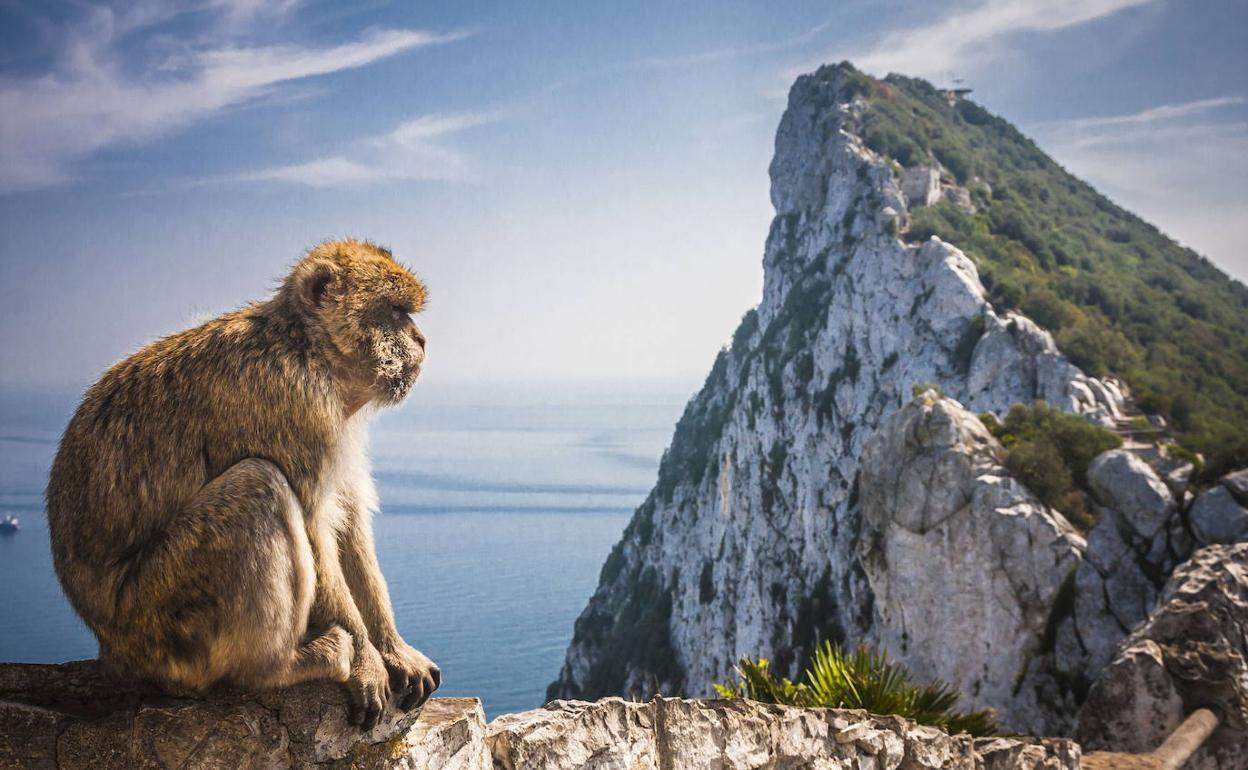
(395, 387)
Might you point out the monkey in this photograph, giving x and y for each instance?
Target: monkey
(210, 501)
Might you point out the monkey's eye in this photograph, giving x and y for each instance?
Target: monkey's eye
(399, 312)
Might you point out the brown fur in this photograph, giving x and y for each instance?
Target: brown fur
(210, 502)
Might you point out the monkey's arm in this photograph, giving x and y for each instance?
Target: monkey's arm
(368, 684)
(410, 670)
(358, 552)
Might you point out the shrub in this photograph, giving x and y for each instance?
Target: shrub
(1049, 451)
(859, 680)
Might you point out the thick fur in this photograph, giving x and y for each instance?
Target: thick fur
(210, 501)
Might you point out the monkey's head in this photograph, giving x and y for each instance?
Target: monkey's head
(356, 302)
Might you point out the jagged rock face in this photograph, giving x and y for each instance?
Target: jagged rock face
(1124, 482)
(747, 544)
(1139, 536)
(1192, 653)
(743, 735)
(1220, 514)
(71, 716)
(960, 556)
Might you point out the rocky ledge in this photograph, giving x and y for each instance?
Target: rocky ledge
(70, 716)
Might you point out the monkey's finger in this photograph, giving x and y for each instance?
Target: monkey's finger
(426, 687)
(370, 713)
(399, 680)
(414, 696)
(422, 688)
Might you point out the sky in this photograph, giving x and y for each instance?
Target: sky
(583, 186)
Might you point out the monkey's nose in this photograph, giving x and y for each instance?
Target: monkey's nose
(418, 336)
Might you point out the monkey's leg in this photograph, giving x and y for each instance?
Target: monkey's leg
(328, 656)
(369, 682)
(413, 677)
(224, 593)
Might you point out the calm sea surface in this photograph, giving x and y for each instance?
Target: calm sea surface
(498, 509)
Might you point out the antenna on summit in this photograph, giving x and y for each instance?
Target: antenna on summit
(955, 90)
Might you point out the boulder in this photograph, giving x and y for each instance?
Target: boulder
(1191, 653)
(960, 197)
(1122, 481)
(1237, 484)
(948, 533)
(738, 734)
(1217, 518)
(72, 716)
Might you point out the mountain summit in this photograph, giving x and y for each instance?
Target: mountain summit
(829, 482)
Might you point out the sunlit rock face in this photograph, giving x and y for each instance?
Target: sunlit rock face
(743, 735)
(1191, 653)
(965, 564)
(748, 544)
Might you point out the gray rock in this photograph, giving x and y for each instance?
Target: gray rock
(1236, 483)
(1174, 472)
(947, 533)
(1192, 652)
(71, 716)
(1217, 518)
(740, 735)
(1124, 482)
(1114, 589)
(960, 197)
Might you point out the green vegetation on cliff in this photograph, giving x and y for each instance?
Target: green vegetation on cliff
(1049, 451)
(1119, 296)
(858, 680)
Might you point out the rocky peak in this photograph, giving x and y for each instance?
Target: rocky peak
(749, 543)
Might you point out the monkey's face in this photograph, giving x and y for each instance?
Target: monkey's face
(364, 300)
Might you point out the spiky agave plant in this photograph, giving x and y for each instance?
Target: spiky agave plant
(862, 680)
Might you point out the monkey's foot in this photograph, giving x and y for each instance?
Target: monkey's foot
(368, 687)
(413, 676)
(333, 650)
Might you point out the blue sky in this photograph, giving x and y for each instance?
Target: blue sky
(583, 185)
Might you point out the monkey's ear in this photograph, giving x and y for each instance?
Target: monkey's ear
(316, 284)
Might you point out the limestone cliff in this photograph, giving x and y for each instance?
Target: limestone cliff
(749, 542)
(1191, 653)
(966, 566)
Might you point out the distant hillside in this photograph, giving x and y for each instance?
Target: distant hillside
(1119, 296)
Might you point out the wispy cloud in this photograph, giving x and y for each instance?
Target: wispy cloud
(967, 39)
(414, 150)
(91, 99)
(1155, 114)
(1162, 124)
(727, 53)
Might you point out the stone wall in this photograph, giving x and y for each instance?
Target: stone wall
(70, 716)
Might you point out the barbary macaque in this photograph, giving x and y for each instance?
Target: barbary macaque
(210, 503)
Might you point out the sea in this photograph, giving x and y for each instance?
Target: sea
(499, 504)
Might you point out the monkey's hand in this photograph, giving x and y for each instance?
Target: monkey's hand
(412, 675)
(368, 687)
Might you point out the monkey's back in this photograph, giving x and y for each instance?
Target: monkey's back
(162, 423)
